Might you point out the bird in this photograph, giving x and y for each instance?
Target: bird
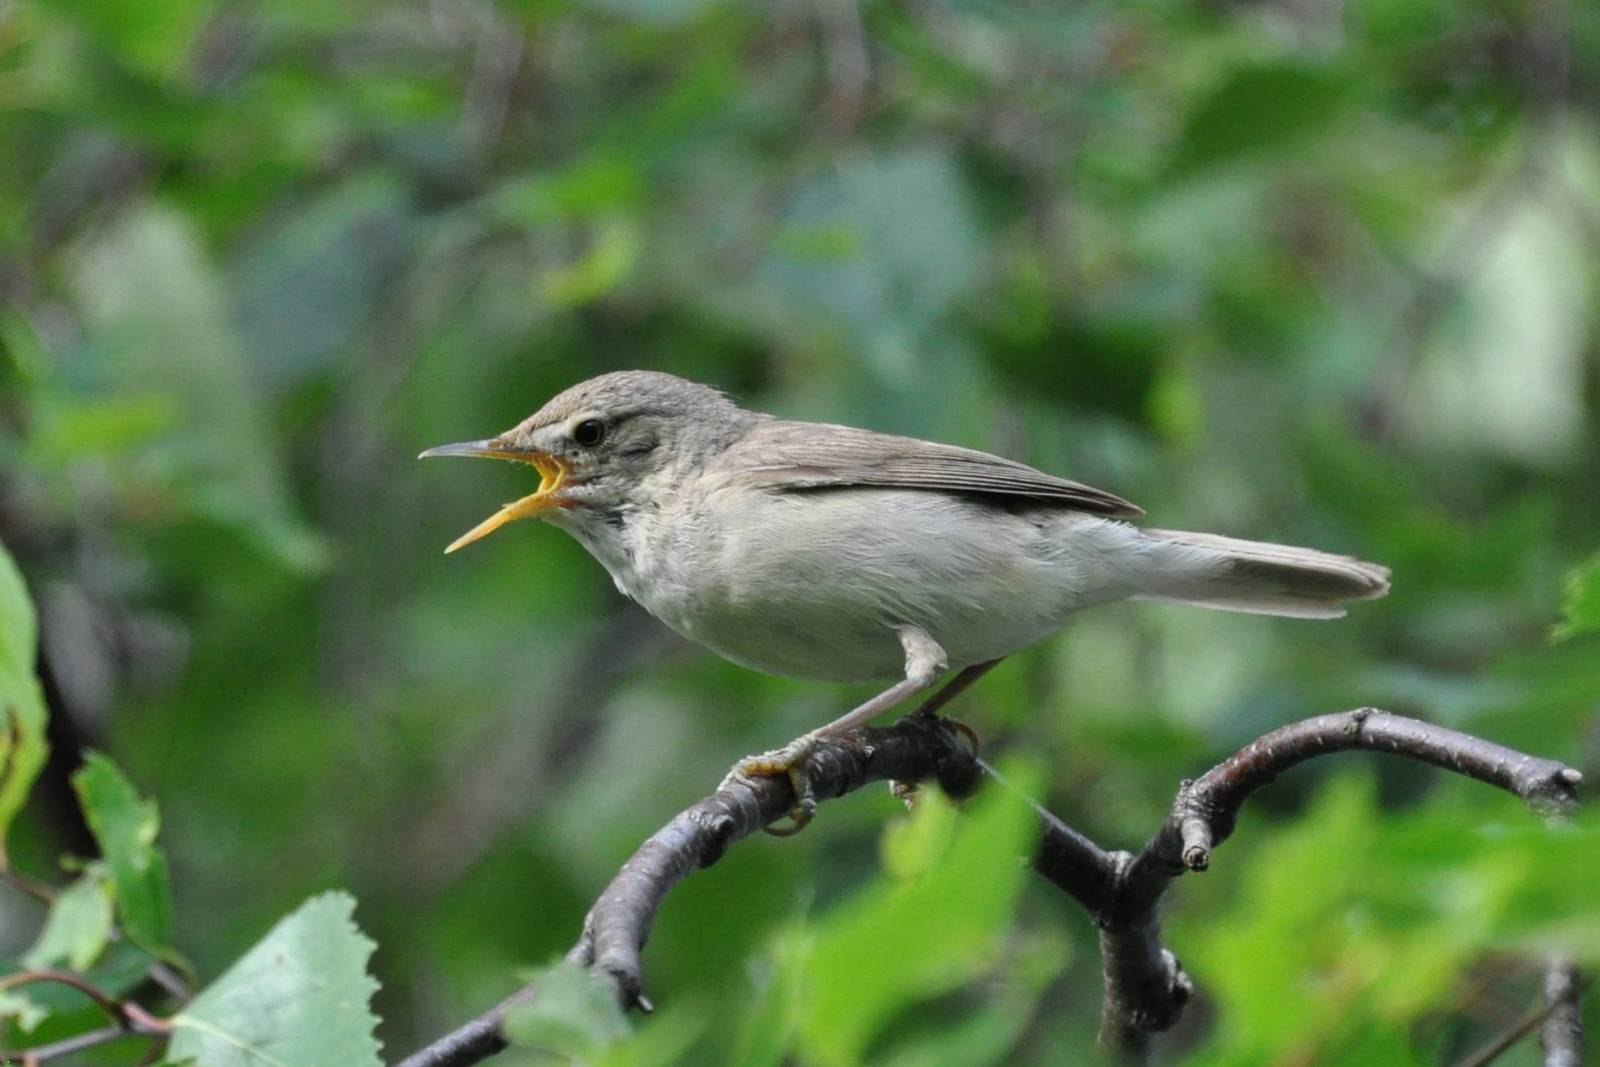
(842, 554)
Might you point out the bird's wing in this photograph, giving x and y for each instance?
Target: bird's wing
(785, 455)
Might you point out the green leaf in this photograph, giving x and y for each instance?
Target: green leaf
(79, 924)
(574, 1014)
(299, 998)
(767, 1027)
(1386, 912)
(662, 1041)
(986, 1036)
(125, 828)
(1581, 606)
(1259, 109)
(936, 927)
(21, 1010)
(912, 847)
(22, 710)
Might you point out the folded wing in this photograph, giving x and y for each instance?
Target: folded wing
(797, 456)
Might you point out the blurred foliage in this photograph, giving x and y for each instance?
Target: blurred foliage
(1582, 607)
(1323, 273)
(1385, 914)
(23, 747)
(124, 829)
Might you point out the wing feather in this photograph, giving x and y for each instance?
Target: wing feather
(785, 455)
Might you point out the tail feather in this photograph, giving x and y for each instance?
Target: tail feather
(1211, 571)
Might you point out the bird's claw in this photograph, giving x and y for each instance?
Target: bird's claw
(789, 761)
(968, 732)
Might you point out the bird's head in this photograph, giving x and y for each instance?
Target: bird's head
(606, 447)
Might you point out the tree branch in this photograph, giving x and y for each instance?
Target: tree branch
(917, 748)
(128, 1018)
(1557, 1019)
(1145, 987)
(1561, 1036)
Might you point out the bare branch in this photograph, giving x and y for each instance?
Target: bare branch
(128, 1018)
(472, 1043)
(67, 1046)
(1561, 1036)
(1206, 809)
(917, 748)
(1145, 987)
(1559, 1012)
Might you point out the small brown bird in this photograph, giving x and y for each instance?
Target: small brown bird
(835, 553)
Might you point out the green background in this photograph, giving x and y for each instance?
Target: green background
(1317, 272)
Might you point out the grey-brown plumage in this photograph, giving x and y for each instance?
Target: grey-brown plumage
(807, 455)
(839, 553)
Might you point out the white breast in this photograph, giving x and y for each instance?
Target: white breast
(814, 584)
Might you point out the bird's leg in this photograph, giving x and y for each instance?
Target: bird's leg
(958, 685)
(925, 661)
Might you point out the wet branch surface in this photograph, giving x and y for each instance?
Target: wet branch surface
(1146, 988)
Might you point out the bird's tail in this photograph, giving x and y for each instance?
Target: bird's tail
(1228, 574)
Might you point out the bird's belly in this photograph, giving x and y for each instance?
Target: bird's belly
(800, 641)
(816, 585)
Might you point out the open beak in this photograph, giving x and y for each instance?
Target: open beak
(552, 475)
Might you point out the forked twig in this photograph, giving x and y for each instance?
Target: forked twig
(1145, 987)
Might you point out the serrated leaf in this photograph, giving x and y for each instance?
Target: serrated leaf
(78, 927)
(23, 748)
(299, 998)
(573, 1014)
(1581, 605)
(125, 828)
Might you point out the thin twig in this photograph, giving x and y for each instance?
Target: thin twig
(1558, 996)
(43, 892)
(110, 1005)
(1561, 1036)
(68, 1046)
(128, 1019)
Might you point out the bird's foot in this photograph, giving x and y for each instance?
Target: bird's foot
(955, 724)
(968, 732)
(789, 761)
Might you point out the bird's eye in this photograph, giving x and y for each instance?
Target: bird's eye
(589, 432)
